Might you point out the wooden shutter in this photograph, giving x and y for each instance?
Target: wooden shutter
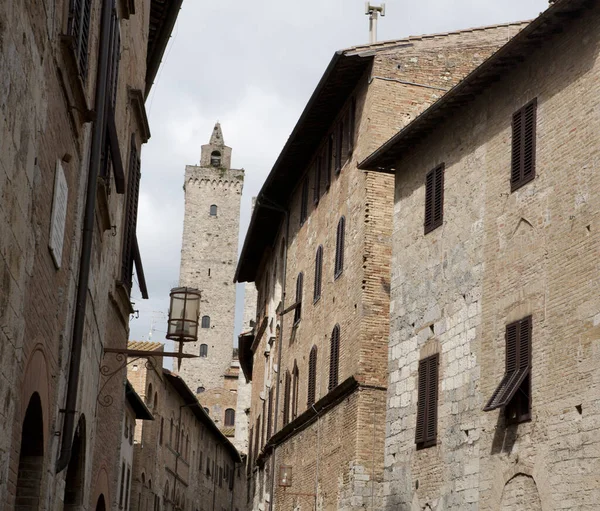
(298, 309)
(295, 389)
(351, 125)
(79, 29)
(329, 162)
(317, 180)
(518, 363)
(312, 376)
(434, 198)
(130, 220)
(115, 57)
(426, 428)
(523, 145)
(334, 358)
(318, 273)
(286, 399)
(339, 144)
(250, 460)
(264, 424)
(257, 438)
(304, 202)
(269, 414)
(339, 247)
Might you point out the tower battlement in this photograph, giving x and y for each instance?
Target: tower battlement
(211, 177)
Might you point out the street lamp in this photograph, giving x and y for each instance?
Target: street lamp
(183, 316)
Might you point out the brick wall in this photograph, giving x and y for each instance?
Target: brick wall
(498, 257)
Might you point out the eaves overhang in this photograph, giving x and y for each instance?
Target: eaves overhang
(337, 83)
(246, 357)
(550, 22)
(137, 405)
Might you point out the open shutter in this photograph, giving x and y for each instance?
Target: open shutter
(339, 247)
(79, 29)
(523, 145)
(318, 273)
(312, 376)
(286, 399)
(426, 428)
(298, 309)
(130, 219)
(334, 359)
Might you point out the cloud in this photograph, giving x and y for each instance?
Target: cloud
(253, 66)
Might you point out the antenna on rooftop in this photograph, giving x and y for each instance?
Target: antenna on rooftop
(373, 11)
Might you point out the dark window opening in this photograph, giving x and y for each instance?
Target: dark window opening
(334, 358)
(295, 389)
(298, 309)
(318, 274)
(215, 159)
(286, 398)
(229, 417)
(426, 430)
(203, 350)
(213, 210)
(205, 321)
(339, 248)
(434, 198)
(312, 376)
(200, 390)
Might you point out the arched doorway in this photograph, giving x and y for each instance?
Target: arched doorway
(521, 493)
(101, 506)
(74, 482)
(31, 458)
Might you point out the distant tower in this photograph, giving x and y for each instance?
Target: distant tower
(208, 258)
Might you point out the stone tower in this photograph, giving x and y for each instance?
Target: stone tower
(208, 258)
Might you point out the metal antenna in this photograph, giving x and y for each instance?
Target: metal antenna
(373, 11)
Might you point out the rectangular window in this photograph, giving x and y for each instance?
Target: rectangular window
(426, 430)
(122, 488)
(127, 487)
(514, 391)
(523, 145)
(304, 202)
(434, 198)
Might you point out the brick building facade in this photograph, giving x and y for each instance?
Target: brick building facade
(75, 75)
(182, 461)
(492, 400)
(319, 249)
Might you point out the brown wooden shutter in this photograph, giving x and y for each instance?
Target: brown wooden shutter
(115, 57)
(334, 358)
(264, 424)
(318, 273)
(339, 248)
(518, 363)
(434, 198)
(312, 376)
(286, 399)
(426, 428)
(269, 414)
(317, 180)
(298, 309)
(295, 389)
(130, 220)
(79, 29)
(523, 145)
(351, 125)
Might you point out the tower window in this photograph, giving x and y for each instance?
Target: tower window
(215, 159)
(213, 210)
(205, 321)
(200, 390)
(204, 350)
(229, 417)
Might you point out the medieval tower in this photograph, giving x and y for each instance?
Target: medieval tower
(213, 192)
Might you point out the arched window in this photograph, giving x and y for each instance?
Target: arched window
(155, 405)
(215, 159)
(200, 390)
(167, 495)
(298, 310)
(149, 396)
(162, 427)
(205, 321)
(143, 478)
(334, 358)
(203, 350)
(339, 248)
(318, 273)
(286, 398)
(229, 417)
(295, 388)
(213, 210)
(312, 376)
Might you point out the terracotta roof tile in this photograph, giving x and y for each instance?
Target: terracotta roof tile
(145, 346)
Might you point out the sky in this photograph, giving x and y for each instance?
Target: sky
(252, 66)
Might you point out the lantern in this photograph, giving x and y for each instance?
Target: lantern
(183, 315)
(285, 475)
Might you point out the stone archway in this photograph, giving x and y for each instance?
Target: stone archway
(520, 493)
(31, 457)
(74, 482)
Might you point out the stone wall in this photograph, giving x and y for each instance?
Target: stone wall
(498, 257)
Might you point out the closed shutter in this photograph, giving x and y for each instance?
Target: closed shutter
(318, 273)
(434, 198)
(312, 376)
(339, 248)
(334, 358)
(523, 145)
(79, 29)
(286, 399)
(298, 309)
(426, 428)
(295, 389)
(304, 202)
(130, 220)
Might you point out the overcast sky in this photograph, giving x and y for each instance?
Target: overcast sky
(253, 66)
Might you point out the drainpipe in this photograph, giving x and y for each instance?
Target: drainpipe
(86, 242)
(280, 340)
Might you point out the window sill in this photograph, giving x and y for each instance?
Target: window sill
(426, 445)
